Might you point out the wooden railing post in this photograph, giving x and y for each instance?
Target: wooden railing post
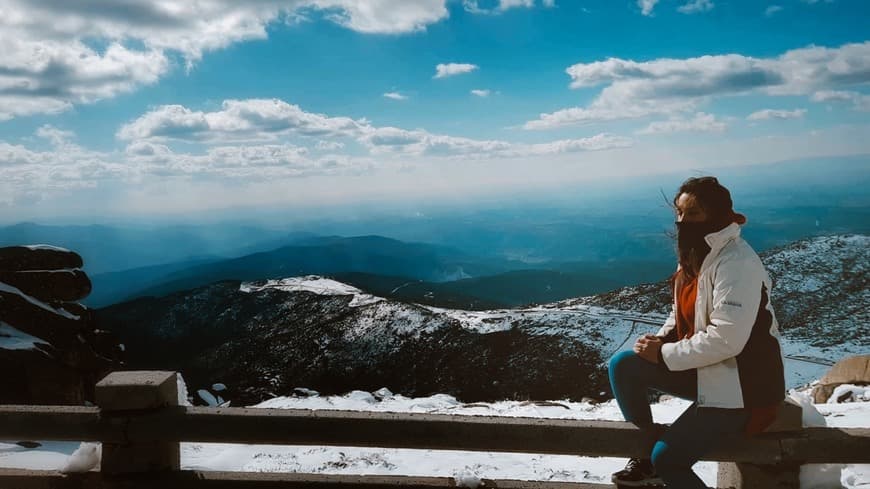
(121, 395)
(775, 475)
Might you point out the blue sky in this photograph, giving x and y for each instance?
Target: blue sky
(133, 107)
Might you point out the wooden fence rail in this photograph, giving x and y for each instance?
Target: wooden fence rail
(140, 425)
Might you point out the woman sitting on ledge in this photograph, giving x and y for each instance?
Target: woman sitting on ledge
(718, 348)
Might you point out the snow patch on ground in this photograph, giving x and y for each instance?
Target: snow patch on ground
(13, 339)
(463, 466)
(316, 284)
(59, 311)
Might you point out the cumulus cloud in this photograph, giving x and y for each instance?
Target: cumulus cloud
(767, 114)
(49, 76)
(148, 154)
(443, 70)
(647, 6)
(696, 6)
(395, 96)
(771, 10)
(61, 168)
(329, 145)
(474, 7)
(480, 93)
(57, 137)
(259, 120)
(49, 63)
(238, 120)
(668, 86)
(858, 100)
(701, 122)
(422, 143)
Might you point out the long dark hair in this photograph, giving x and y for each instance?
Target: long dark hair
(712, 196)
(716, 202)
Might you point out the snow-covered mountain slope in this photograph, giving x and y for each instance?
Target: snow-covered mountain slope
(267, 337)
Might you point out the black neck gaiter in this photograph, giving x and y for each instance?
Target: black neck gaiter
(691, 247)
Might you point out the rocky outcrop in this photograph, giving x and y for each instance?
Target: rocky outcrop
(50, 349)
(852, 370)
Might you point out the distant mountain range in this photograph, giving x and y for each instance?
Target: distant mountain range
(418, 272)
(263, 338)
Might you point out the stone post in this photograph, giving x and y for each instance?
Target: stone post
(773, 475)
(121, 395)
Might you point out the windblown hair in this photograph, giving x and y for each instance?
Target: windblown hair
(716, 202)
(714, 198)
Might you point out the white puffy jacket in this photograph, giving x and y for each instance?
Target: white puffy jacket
(735, 347)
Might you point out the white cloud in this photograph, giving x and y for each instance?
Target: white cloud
(382, 16)
(858, 100)
(422, 143)
(767, 114)
(669, 86)
(771, 10)
(474, 7)
(55, 136)
(395, 96)
(605, 110)
(700, 123)
(647, 6)
(49, 76)
(443, 70)
(480, 93)
(599, 142)
(329, 145)
(48, 62)
(238, 120)
(695, 6)
(258, 120)
(65, 167)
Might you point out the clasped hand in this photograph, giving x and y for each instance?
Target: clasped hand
(647, 347)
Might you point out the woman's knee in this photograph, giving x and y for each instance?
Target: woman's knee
(621, 361)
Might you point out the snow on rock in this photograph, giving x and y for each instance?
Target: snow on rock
(382, 393)
(810, 415)
(362, 396)
(207, 397)
(302, 391)
(467, 478)
(849, 393)
(316, 284)
(54, 310)
(85, 458)
(13, 339)
(47, 247)
(183, 396)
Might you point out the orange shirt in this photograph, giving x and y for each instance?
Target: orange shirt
(686, 308)
(759, 417)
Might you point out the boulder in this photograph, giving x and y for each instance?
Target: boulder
(50, 348)
(851, 370)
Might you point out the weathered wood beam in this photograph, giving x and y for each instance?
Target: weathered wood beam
(407, 430)
(33, 479)
(61, 423)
